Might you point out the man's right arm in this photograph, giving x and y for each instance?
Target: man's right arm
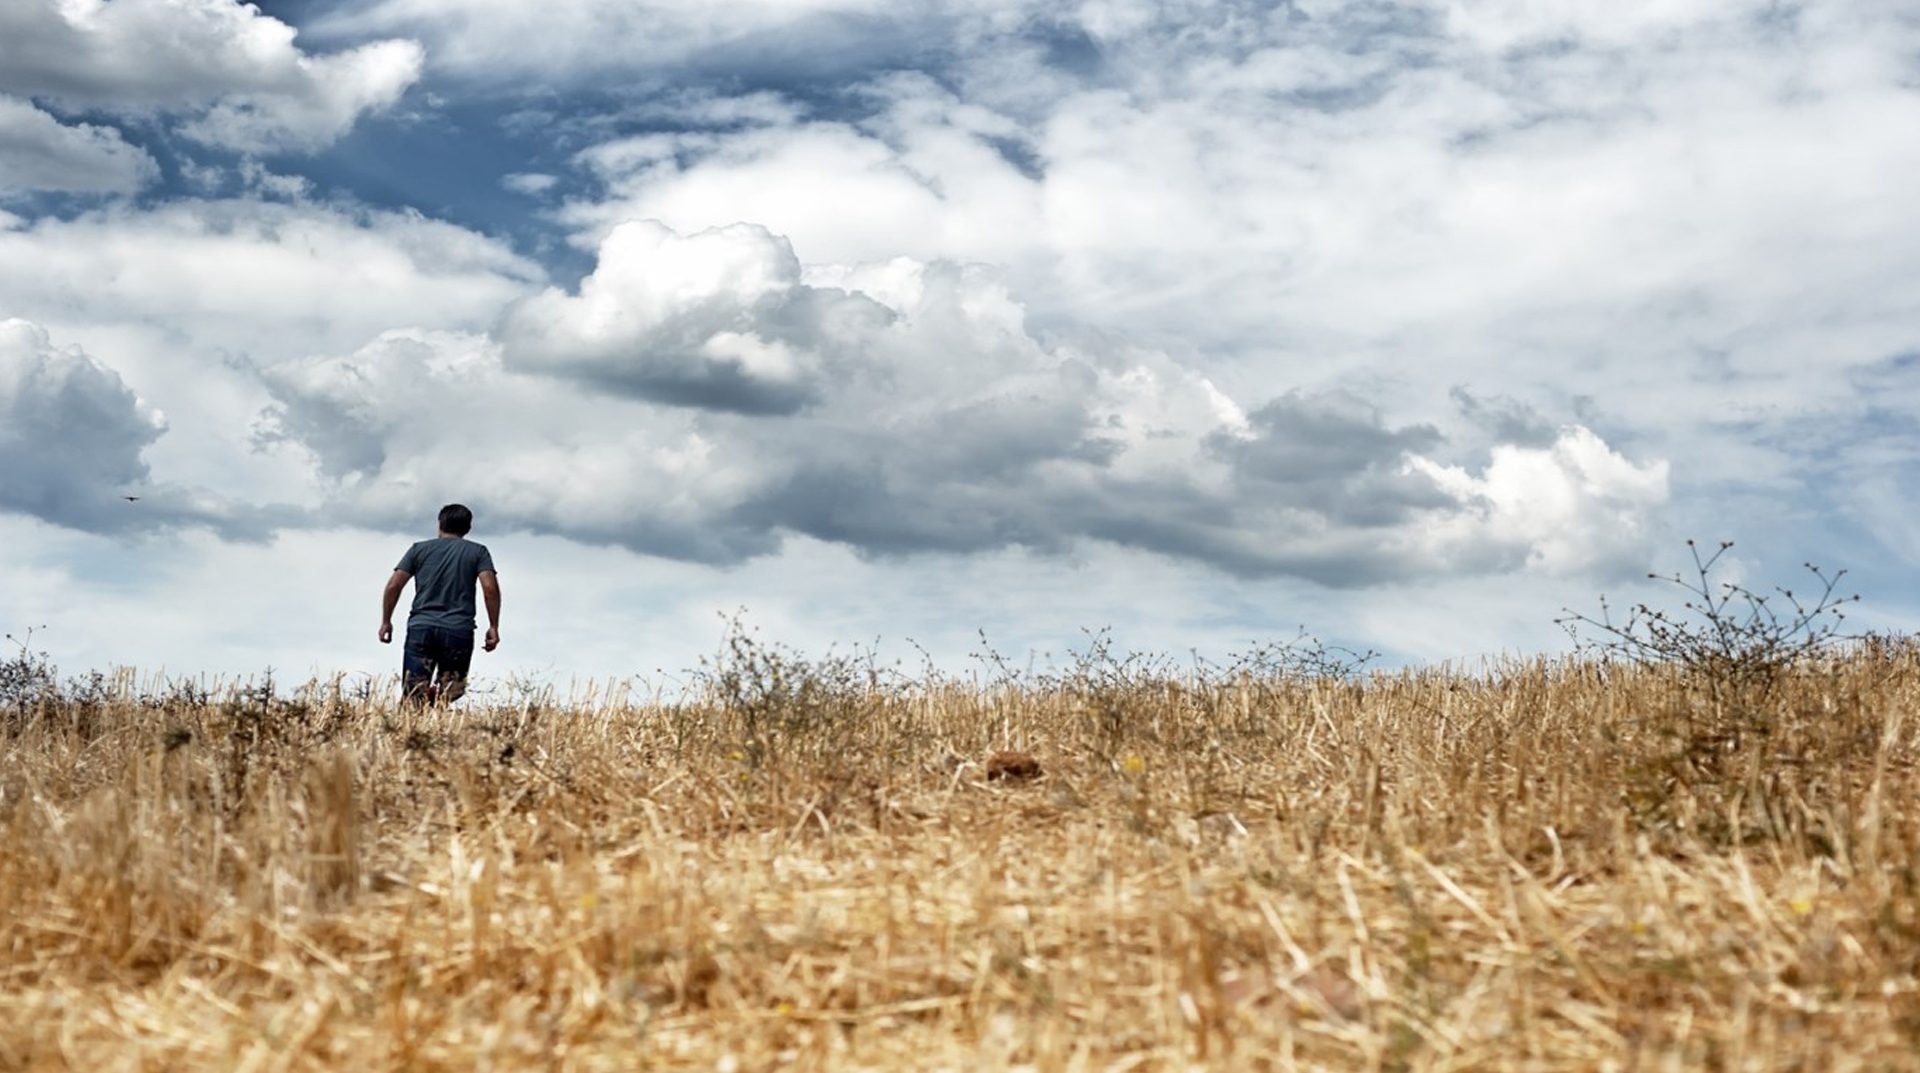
(490, 590)
(390, 599)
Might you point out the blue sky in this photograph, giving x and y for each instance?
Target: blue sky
(1411, 323)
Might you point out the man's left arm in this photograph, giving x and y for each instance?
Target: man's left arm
(389, 600)
(490, 591)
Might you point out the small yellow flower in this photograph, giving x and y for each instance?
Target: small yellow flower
(1801, 906)
(1133, 764)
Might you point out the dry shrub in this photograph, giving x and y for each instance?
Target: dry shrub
(27, 680)
(1222, 868)
(1711, 747)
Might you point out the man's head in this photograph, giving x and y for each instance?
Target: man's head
(455, 520)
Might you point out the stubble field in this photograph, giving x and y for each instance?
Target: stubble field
(1539, 866)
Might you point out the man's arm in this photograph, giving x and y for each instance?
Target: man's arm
(389, 600)
(490, 590)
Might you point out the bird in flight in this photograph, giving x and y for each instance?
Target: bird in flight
(131, 499)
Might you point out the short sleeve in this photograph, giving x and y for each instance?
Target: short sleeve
(486, 560)
(410, 561)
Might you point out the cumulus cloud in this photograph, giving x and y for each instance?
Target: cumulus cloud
(266, 279)
(39, 153)
(73, 433)
(1672, 226)
(187, 300)
(909, 411)
(719, 320)
(1334, 185)
(234, 73)
(416, 417)
(316, 103)
(927, 175)
(1575, 505)
(72, 436)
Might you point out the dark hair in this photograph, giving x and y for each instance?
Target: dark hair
(455, 519)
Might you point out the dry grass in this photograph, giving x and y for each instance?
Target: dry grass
(1535, 867)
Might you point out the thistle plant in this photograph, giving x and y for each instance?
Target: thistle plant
(1731, 636)
(27, 678)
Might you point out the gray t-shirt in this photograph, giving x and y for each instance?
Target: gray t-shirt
(444, 571)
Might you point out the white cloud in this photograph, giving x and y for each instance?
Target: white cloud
(189, 300)
(38, 152)
(1674, 224)
(1233, 180)
(323, 99)
(1575, 506)
(235, 72)
(926, 180)
(916, 414)
(530, 183)
(263, 279)
(568, 41)
(272, 184)
(153, 589)
(719, 319)
(1501, 24)
(417, 416)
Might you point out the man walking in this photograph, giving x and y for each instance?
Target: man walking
(439, 646)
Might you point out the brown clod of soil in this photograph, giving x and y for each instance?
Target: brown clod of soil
(702, 973)
(1008, 764)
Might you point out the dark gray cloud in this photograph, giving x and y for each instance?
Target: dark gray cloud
(1332, 455)
(72, 435)
(1505, 419)
(1296, 544)
(39, 153)
(958, 477)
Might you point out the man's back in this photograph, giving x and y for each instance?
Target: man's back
(445, 571)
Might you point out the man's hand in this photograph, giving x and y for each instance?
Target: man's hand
(386, 633)
(493, 638)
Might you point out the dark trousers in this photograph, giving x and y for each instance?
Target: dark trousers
(434, 663)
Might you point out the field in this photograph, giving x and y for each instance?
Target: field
(1567, 865)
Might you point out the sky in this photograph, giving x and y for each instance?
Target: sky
(923, 330)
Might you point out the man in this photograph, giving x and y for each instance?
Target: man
(440, 626)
